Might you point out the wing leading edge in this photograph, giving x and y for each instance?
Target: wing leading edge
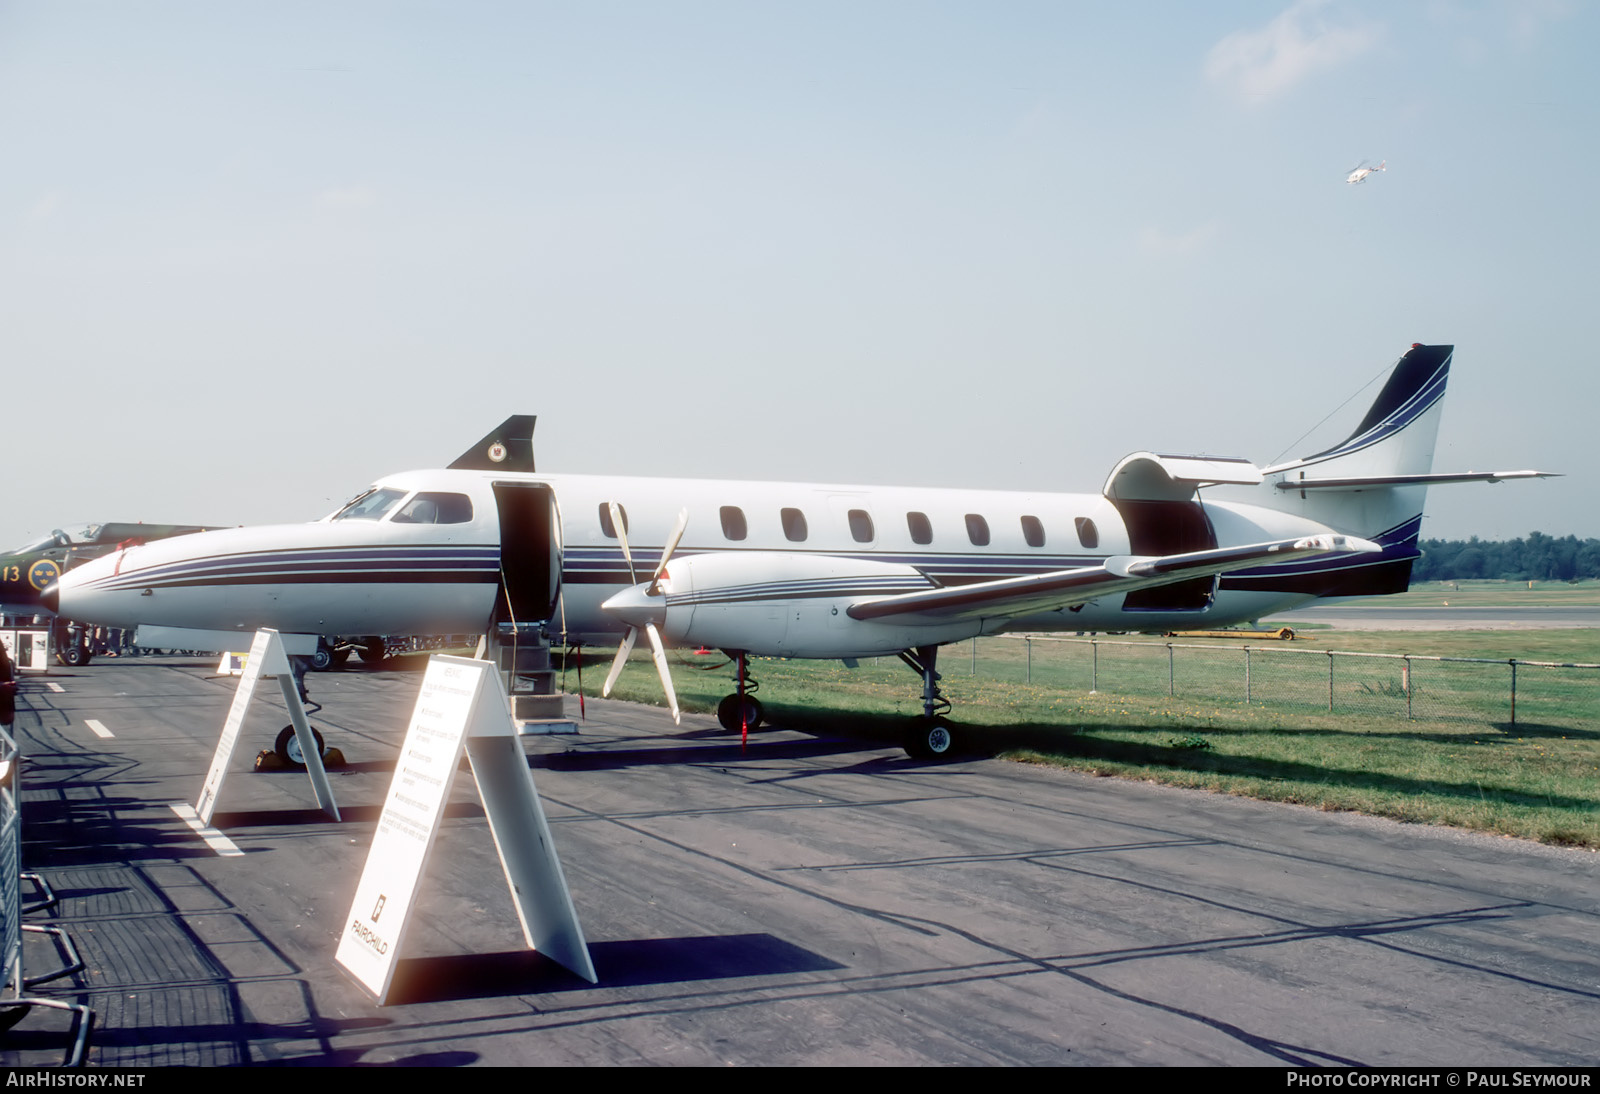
(1118, 574)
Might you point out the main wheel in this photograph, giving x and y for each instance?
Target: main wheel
(75, 656)
(374, 650)
(339, 656)
(322, 660)
(930, 739)
(729, 715)
(288, 746)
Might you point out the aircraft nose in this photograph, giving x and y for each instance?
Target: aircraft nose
(50, 597)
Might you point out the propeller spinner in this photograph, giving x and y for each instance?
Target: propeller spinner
(643, 607)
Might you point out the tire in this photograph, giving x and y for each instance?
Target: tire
(340, 656)
(374, 650)
(75, 656)
(288, 746)
(930, 739)
(322, 660)
(728, 713)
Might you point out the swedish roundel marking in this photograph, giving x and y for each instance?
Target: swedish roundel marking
(42, 573)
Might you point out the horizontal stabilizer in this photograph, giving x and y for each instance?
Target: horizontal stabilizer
(1369, 482)
(1014, 596)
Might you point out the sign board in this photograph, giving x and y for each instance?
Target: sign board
(266, 658)
(461, 706)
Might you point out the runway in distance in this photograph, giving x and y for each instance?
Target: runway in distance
(802, 569)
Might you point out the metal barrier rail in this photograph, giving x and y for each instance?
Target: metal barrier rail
(1427, 686)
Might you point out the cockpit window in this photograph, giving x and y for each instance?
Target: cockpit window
(435, 508)
(370, 506)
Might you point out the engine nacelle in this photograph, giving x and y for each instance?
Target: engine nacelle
(783, 604)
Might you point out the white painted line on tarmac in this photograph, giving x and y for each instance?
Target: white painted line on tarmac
(99, 728)
(215, 840)
(53, 686)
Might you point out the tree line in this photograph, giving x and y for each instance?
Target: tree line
(1537, 558)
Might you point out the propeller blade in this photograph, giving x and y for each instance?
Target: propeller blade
(661, 667)
(620, 660)
(672, 545)
(622, 538)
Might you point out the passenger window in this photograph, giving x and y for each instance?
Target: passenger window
(977, 530)
(921, 530)
(794, 525)
(1033, 531)
(607, 527)
(436, 508)
(860, 525)
(1088, 534)
(733, 522)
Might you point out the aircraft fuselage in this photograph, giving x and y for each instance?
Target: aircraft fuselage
(439, 570)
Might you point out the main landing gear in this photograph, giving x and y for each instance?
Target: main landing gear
(929, 737)
(740, 712)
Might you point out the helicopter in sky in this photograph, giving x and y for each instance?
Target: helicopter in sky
(1362, 171)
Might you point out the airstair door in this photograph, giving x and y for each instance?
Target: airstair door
(530, 551)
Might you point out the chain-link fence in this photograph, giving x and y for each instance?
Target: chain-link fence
(1408, 686)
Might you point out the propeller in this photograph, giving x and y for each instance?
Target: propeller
(644, 610)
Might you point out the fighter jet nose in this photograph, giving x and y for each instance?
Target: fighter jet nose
(50, 597)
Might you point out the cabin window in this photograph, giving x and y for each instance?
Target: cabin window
(1088, 534)
(607, 526)
(1033, 531)
(977, 530)
(733, 522)
(794, 525)
(370, 506)
(921, 530)
(860, 525)
(436, 508)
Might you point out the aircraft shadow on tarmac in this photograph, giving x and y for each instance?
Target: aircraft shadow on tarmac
(621, 964)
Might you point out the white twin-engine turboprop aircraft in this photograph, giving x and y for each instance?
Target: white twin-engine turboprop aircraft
(798, 569)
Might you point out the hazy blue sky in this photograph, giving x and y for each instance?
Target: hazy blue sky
(253, 255)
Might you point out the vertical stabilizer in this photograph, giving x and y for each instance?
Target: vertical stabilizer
(1395, 438)
(508, 447)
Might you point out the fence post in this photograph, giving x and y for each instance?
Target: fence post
(1247, 674)
(1170, 691)
(1513, 691)
(1405, 680)
(1330, 681)
(1029, 643)
(1094, 677)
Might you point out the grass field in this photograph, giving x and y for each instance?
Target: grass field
(1459, 759)
(1486, 594)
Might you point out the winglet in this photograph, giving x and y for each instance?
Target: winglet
(507, 447)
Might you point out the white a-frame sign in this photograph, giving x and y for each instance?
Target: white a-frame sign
(461, 704)
(267, 658)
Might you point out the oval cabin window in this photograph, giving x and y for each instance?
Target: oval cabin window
(921, 530)
(860, 525)
(794, 525)
(1033, 531)
(733, 522)
(977, 530)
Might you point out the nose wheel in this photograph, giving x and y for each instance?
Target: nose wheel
(288, 749)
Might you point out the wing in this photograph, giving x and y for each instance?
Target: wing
(1015, 596)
